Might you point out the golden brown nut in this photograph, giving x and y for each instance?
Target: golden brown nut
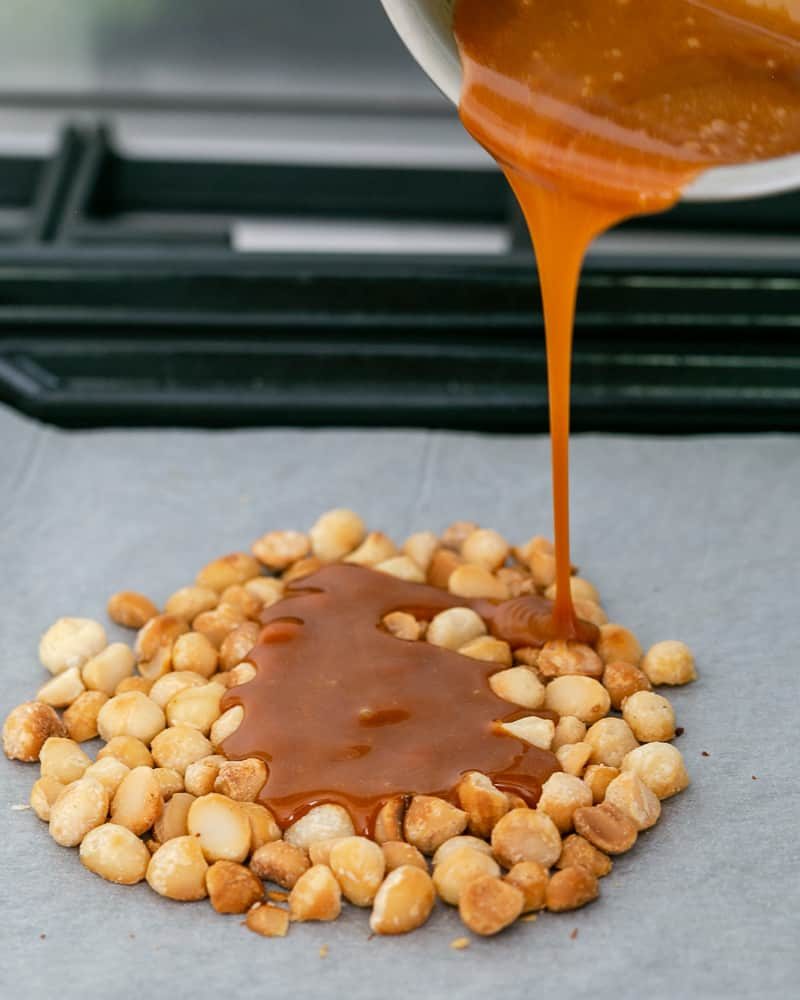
(561, 795)
(526, 835)
(610, 739)
(63, 689)
(315, 896)
(268, 920)
(263, 827)
(469, 580)
(236, 645)
(137, 803)
(455, 534)
(630, 794)
(482, 802)
(490, 904)
(81, 717)
(26, 729)
(336, 533)
(430, 821)
(106, 671)
(130, 714)
(402, 625)
(115, 854)
(389, 821)
(397, 853)
(238, 567)
(460, 868)
(621, 680)
(232, 888)
(488, 649)
(189, 602)
(441, 567)
(456, 843)
(531, 879)
(598, 777)
(518, 685)
(109, 771)
(606, 827)
(486, 548)
(359, 867)
(577, 850)
(320, 823)
(160, 631)
(43, 794)
(62, 759)
(669, 662)
(403, 902)
(130, 609)
(241, 780)
(650, 716)
(660, 766)
(221, 828)
(375, 549)
(561, 657)
(420, 547)
(216, 625)
(81, 807)
(279, 549)
(454, 628)
(71, 642)
(571, 888)
(280, 862)
(179, 746)
(194, 652)
(582, 697)
(174, 819)
(617, 643)
(127, 749)
(178, 869)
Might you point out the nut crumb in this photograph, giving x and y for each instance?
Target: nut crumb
(529, 918)
(704, 753)
(323, 952)
(574, 933)
(679, 730)
(459, 944)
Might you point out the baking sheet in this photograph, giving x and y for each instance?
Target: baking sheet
(694, 539)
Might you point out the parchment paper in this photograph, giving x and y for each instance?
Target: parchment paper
(694, 539)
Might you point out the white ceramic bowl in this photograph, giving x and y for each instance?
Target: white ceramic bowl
(426, 28)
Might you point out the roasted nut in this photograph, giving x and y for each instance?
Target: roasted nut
(241, 780)
(106, 671)
(389, 821)
(430, 821)
(569, 729)
(115, 854)
(526, 835)
(315, 896)
(70, 642)
(26, 729)
(456, 843)
(571, 888)
(403, 902)
(598, 777)
(607, 827)
(109, 771)
(140, 684)
(517, 580)
(531, 879)
(669, 662)
(196, 707)
(166, 687)
(81, 717)
(237, 645)
(573, 757)
(160, 631)
(169, 782)
(617, 643)
(519, 685)
(279, 549)
(469, 580)
(397, 853)
(420, 547)
(81, 807)
(43, 794)
(485, 547)
(621, 680)
(590, 611)
(660, 766)
(630, 794)
(267, 589)
(336, 533)
(455, 534)
(320, 851)
(238, 567)
(320, 823)
(303, 567)
(539, 556)
(221, 827)
(359, 867)
(194, 652)
(454, 628)
(62, 689)
(263, 827)
(226, 725)
(650, 716)
(580, 589)
(402, 567)
(460, 868)
(238, 596)
(563, 658)
(62, 759)
(178, 869)
(441, 567)
(130, 714)
(189, 602)
(610, 739)
(180, 746)
(160, 664)
(526, 656)
(489, 904)
(173, 821)
(232, 888)
(216, 625)
(199, 777)
(538, 732)
(577, 850)
(130, 609)
(583, 697)
(137, 802)
(402, 625)
(376, 548)
(280, 862)
(482, 802)
(127, 749)
(268, 920)
(242, 673)
(561, 795)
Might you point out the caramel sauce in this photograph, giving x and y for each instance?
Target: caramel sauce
(343, 712)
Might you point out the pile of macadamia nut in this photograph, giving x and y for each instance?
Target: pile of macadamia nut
(159, 801)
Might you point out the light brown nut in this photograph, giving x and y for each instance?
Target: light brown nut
(454, 628)
(180, 746)
(238, 596)
(456, 843)
(130, 609)
(160, 631)
(486, 548)
(160, 664)
(137, 803)
(320, 851)
(490, 904)
(490, 650)
(115, 854)
(242, 673)
(573, 757)
(402, 567)
(526, 656)
(237, 645)
(397, 853)
(518, 685)
(455, 534)
(173, 821)
(482, 802)
(81, 717)
(303, 567)
(571, 888)
(62, 759)
(70, 642)
(268, 920)
(267, 589)
(105, 671)
(402, 625)
(580, 589)
(237, 567)
(178, 869)
(538, 554)
(43, 794)
(568, 730)
(232, 888)
(526, 835)
(403, 902)
(221, 827)
(607, 827)
(81, 807)
(430, 821)
(336, 533)
(531, 879)
(583, 697)
(127, 749)
(563, 658)
(590, 611)
(194, 652)
(577, 850)
(169, 782)
(538, 732)
(226, 725)
(617, 643)
(241, 780)
(280, 862)
(140, 684)
(26, 729)
(420, 547)
(196, 707)
(189, 602)
(389, 821)
(109, 771)
(166, 687)
(441, 567)
(598, 777)
(469, 580)
(610, 739)
(459, 868)
(62, 689)
(669, 662)
(561, 795)
(650, 716)
(199, 777)
(517, 580)
(630, 794)
(320, 823)
(263, 827)
(621, 680)
(375, 549)
(359, 867)
(660, 766)
(130, 714)
(279, 549)
(315, 896)
(218, 624)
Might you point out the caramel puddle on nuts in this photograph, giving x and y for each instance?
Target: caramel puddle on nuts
(343, 712)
